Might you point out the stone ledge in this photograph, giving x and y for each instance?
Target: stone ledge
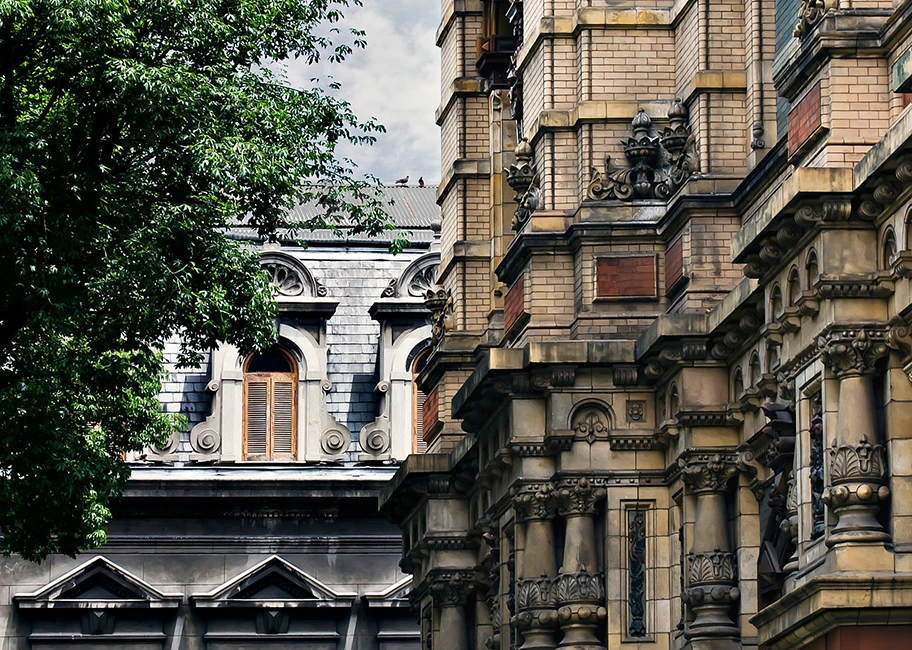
(706, 81)
(803, 183)
(462, 168)
(827, 602)
(460, 87)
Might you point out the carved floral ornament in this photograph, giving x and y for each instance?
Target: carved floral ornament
(452, 588)
(416, 281)
(660, 163)
(578, 497)
(534, 501)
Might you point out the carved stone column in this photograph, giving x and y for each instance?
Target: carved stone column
(450, 591)
(536, 614)
(580, 587)
(711, 566)
(857, 463)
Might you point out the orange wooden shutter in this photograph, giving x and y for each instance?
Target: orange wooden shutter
(256, 419)
(282, 418)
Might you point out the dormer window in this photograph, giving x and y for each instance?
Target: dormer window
(270, 406)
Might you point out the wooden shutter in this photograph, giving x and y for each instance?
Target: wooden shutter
(269, 416)
(256, 419)
(420, 445)
(283, 418)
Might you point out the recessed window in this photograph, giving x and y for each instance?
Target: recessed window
(270, 406)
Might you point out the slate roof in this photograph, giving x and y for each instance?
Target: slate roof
(413, 209)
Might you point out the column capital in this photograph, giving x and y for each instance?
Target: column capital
(852, 351)
(451, 588)
(534, 501)
(706, 472)
(577, 496)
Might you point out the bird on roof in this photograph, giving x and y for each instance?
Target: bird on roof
(402, 181)
(421, 181)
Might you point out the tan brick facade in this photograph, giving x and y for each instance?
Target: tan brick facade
(677, 394)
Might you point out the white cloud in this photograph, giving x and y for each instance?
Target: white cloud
(395, 80)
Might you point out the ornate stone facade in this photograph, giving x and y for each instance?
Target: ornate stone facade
(218, 545)
(673, 391)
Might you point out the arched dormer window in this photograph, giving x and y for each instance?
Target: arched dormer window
(419, 446)
(270, 406)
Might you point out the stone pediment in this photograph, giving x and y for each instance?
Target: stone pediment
(396, 595)
(272, 584)
(98, 584)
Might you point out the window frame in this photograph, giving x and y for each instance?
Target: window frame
(270, 378)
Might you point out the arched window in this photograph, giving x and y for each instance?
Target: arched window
(737, 384)
(270, 406)
(775, 301)
(794, 286)
(812, 268)
(674, 402)
(754, 370)
(419, 446)
(888, 250)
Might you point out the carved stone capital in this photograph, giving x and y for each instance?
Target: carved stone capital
(582, 587)
(852, 352)
(577, 497)
(452, 588)
(534, 502)
(857, 489)
(708, 472)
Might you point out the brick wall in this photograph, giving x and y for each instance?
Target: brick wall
(430, 415)
(674, 264)
(626, 277)
(514, 303)
(804, 119)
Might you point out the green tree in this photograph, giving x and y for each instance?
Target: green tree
(132, 134)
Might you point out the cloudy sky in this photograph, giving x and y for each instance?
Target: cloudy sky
(395, 80)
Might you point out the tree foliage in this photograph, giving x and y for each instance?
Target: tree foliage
(132, 133)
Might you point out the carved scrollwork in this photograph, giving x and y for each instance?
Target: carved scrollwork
(591, 423)
(205, 438)
(165, 450)
(375, 440)
(334, 443)
(810, 13)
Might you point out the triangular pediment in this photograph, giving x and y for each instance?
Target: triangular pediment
(273, 583)
(97, 583)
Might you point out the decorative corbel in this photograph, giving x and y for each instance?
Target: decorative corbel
(899, 338)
